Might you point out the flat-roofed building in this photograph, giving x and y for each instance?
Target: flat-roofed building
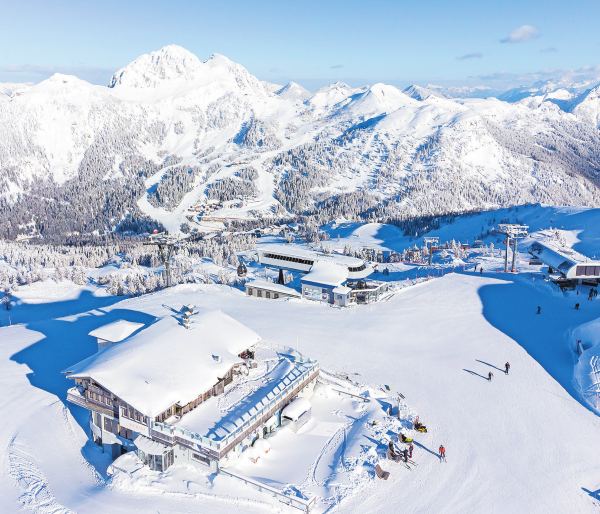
(270, 290)
(321, 281)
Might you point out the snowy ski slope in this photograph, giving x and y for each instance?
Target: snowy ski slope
(525, 442)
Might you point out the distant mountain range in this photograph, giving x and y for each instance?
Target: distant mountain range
(171, 132)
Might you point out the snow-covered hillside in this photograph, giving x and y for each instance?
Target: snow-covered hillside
(172, 132)
(524, 442)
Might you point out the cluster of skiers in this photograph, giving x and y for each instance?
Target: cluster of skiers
(506, 370)
(404, 454)
(593, 294)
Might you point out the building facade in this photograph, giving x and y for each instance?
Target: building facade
(136, 402)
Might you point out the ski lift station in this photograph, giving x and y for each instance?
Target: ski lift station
(332, 278)
(301, 260)
(157, 392)
(570, 264)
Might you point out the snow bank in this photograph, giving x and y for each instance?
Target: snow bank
(587, 370)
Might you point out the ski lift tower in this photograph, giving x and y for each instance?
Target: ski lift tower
(165, 244)
(511, 231)
(429, 242)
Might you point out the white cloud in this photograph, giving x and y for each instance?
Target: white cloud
(522, 34)
(474, 55)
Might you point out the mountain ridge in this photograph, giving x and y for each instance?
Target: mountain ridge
(173, 132)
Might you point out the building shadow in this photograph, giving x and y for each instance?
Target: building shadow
(26, 313)
(66, 342)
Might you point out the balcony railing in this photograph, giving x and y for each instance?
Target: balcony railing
(169, 434)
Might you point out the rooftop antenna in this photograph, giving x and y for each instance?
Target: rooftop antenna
(429, 242)
(512, 231)
(165, 244)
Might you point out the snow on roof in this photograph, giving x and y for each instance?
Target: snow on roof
(562, 258)
(270, 286)
(116, 331)
(295, 409)
(327, 273)
(301, 251)
(149, 446)
(217, 421)
(342, 290)
(166, 363)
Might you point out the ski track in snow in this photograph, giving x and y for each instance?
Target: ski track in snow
(36, 494)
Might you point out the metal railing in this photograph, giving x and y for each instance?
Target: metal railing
(168, 433)
(292, 501)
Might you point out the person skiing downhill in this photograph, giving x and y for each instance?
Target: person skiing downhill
(539, 309)
(411, 450)
(405, 455)
(442, 453)
(506, 367)
(490, 375)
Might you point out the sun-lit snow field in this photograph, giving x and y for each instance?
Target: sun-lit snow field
(526, 442)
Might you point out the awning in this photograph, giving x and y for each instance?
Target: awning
(149, 446)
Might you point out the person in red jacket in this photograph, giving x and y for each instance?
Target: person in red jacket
(442, 453)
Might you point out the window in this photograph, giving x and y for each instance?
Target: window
(97, 419)
(111, 425)
(267, 294)
(250, 291)
(275, 295)
(356, 269)
(200, 458)
(259, 293)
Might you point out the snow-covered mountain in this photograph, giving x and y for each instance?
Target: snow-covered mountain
(7, 89)
(293, 91)
(587, 106)
(172, 132)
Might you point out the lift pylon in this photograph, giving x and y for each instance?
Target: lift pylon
(511, 231)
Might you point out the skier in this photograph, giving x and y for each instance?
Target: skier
(411, 450)
(576, 306)
(506, 367)
(539, 310)
(490, 375)
(595, 293)
(405, 455)
(442, 453)
(481, 271)
(591, 295)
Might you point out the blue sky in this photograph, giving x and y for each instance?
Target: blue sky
(314, 43)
